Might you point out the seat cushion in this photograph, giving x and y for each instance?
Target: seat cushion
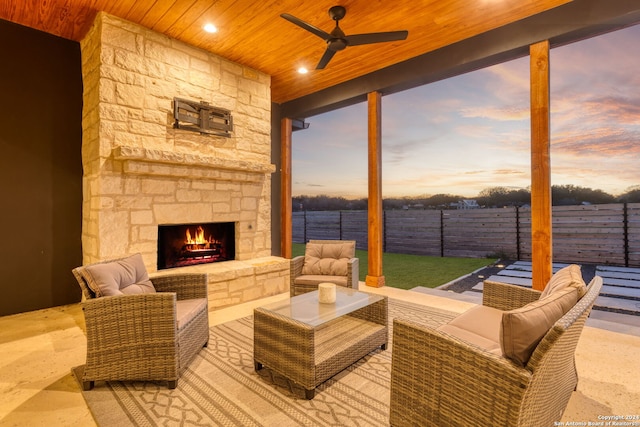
(479, 326)
(523, 328)
(327, 258)
(188, 309)
(565, 277)
(120, 277)
(310, 279)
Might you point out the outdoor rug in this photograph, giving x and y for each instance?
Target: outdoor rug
(221, 387)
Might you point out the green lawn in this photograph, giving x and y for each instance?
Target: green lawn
(408, 271)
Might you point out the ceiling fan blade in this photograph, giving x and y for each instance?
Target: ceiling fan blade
(328, 54)
(314, 30)
(360, 39)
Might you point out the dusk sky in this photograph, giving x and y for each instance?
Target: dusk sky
(471, 132)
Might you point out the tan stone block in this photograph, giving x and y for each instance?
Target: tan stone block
(146, 128)
(207, 186)
(231, 67)
(188, 196)
(273, 286)
(229, 90)
(118, 37)
(242, 284)
(176, 73)
(146, 249)
(182, 213)
(200, 64)
(158, 52)
(144, 217)
(132, 187)
(160, 106)
(193, 51)
(111, 184)
(252, 294)
(113, 232)
(130, 61)
(128, 95)
(160, 118)
(221, 208)
(160, 89)
(133, 202)
(148, 233)
(249, 204)
(254, 88)
(202, 80)
(158, 186)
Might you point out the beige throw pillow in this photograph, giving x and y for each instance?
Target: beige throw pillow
(327, 258)
(567, 276)
(125, 276)
(523, 328)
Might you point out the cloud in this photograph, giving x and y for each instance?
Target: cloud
(500, 114)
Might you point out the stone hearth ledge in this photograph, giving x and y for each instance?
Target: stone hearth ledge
(144, 161)
(236, 282)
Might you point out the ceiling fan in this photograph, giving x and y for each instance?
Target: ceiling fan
(337, 40)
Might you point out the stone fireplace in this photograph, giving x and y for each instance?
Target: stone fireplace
(140, 173)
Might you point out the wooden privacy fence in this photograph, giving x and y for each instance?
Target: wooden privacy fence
(602, 234)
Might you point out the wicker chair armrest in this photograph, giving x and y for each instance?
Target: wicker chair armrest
(504, 296)
(353, 273)
(438, 379)
(115, 321)
(296, 265)
(295, 270)
(186, 286)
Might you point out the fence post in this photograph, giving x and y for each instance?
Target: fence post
(384, 231)
(625, 222)
(304, 234)
(518, 233)
(441, 233)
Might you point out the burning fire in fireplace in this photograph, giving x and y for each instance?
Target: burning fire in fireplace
(186, 244)
(199, 246)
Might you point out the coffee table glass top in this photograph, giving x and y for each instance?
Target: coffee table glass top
(308, 309)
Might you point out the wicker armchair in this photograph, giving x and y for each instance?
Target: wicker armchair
(146, 336)
(440, 380)
(331, 261)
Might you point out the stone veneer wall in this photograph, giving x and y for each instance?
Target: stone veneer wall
(140, 172)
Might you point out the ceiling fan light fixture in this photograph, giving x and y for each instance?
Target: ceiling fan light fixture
(210, 28)
(337, 40)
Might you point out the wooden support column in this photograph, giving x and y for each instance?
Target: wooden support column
(286, 128)
(541, 220)
(374, 274)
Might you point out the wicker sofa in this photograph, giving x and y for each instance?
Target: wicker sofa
(444, 377)
(148, 330)
(330, 261)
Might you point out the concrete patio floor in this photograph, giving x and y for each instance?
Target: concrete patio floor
(38, 350)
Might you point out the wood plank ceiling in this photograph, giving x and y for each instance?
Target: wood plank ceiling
(252, 32)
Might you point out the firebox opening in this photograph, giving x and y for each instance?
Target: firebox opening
(181, 245)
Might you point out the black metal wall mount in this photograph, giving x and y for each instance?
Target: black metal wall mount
(201, 117)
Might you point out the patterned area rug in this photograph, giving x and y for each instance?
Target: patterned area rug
(221, 387)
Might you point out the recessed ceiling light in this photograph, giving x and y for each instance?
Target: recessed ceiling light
(303, 70)
(210, 28)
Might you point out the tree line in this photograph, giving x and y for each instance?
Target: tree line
(493, 197)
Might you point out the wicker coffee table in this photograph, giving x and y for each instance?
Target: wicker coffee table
(309, 342)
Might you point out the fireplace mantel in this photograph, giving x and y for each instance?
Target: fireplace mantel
(143, 161)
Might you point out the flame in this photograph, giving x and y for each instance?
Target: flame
(199, 238)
